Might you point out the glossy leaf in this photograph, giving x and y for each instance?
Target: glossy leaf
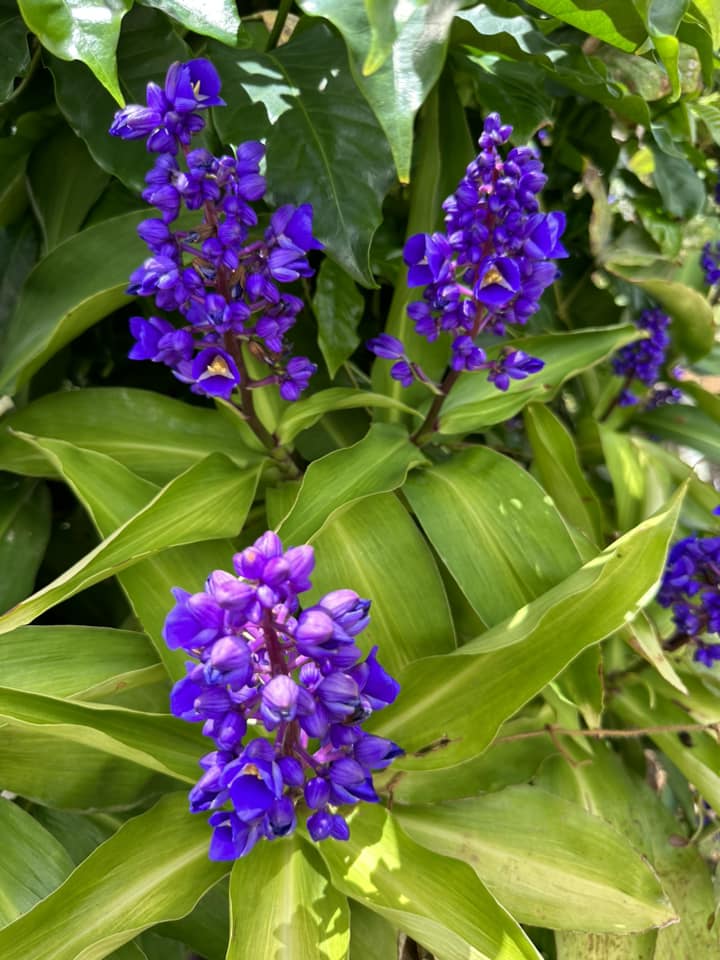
(33, 862)
(338, 307)
(218, 18)
(492, 524)
(80, 30)
(377, 463)
(322, 129)
(209, 500)
(14, 52)
(375, 549)
(155, 436)
(615, 22)
(59, 301)
(475, 403)
(575, 873)
(283, 906)
(303, 414)
(395, 66)
(450, 708)
(154, 868)
(25, 517)
(382, 868)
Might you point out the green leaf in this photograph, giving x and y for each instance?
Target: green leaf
(576, 873)
(158, 742)
(558, 467)
(303, 414)
(396, 66)
(25, 515)
(85, 30)
(495, 529)
(61, 299)
(155, 436)
(33, 864)
(371, 935)
(684, 425)
(218, 19)
(64, 182)
(154, 868)
(682, 191)
(710, 13)
(14, 52)
(640, 484)
(437, 901)
(209, 500)
(374, 548)
(662, 19)
(615, 21)
(376, 464)
(75, 661)
(338, 307)
(207, 928)
(475, 403)
(450, 708)
(148, 44)
(322, 130)
(283, 906)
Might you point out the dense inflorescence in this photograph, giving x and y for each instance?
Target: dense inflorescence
(226, 286)
(691, 586)
(283, 693)
(490, 266)
(710, 262)
(643, 360)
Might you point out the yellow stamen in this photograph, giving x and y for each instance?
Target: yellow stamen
(250, 770)
(493, 275)
(217, 368)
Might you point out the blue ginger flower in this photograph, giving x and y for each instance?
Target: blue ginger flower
(643, 360)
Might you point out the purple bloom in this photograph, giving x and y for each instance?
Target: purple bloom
(215, 373)
(710, 262)
(643, 359)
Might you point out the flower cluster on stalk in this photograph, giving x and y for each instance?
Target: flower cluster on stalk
(710, 262)
(282, 692)
(643, 360)
(488, 269)
(227, 286)
(691, 587)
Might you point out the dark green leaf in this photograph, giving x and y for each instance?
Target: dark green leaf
(685, 425)
(371, 935)
(682, 191)
(303, 414)
(614, 21)
(14, 52)
(338, 308)
(24, 531)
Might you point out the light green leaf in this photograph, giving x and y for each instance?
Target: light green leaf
(33, 864)
(216, 18)
(475, 403)
(154, 868)
(371, 935)
(375, 549)
(575, 873)
(641, 483)
(25, 515)
(614, 21)
(438, 901)
(662, 19)
(711, 14)
(74, 661)
(338, 307)
(60, 301)
(209, 500)
(495, 529)
(282, 906)
(86, 30)
(450, 708)
(684, 425)
(303, 414)
(155, 436)
(377, 463)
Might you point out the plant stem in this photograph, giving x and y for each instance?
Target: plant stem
(429, 425)
(277, 28)
(601, 734)
(616, 399)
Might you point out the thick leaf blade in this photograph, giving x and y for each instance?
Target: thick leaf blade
(615, 22)
(282, 905)
(154, 868)
(303, 414)
(338, 307)
(25, 516)
(218, 19)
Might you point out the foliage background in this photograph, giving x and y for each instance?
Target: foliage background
(483, 553)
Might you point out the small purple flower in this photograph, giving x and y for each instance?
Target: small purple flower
(215, 373)
(387, 347)
(643, 359)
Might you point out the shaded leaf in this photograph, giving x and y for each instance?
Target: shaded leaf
(338, 308)
(25, 516)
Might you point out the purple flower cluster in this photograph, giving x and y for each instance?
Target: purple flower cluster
(283, 694)
(226, 286)
(691, 586)
(643, 360)
(490, 266)
(710, 262)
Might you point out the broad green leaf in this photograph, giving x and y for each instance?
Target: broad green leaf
(642, 635)
(684, 425)
(14, 52)
(439, 902)
(558, 467)
(681, 189)
(209, 500)
(371, 935)
(303, 414)
(218, 18)
(322, 129)
(641, 483)
(76, 285)
(575, 873)
(155, 436)
(156, 741)
(148, 44)
(338, 307)
(86, 30)
(33, 864)
(154, 868)
(19, 246)
(283, 906)
(495, 529)
(64, 183)
(475, 403)
(375, 549)
(398, 75)
(711, 14)
(662, 19)
(615, 21)
(450, 708)
(25, 515)
(376, 464)
(207, 928)
(74, 661)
